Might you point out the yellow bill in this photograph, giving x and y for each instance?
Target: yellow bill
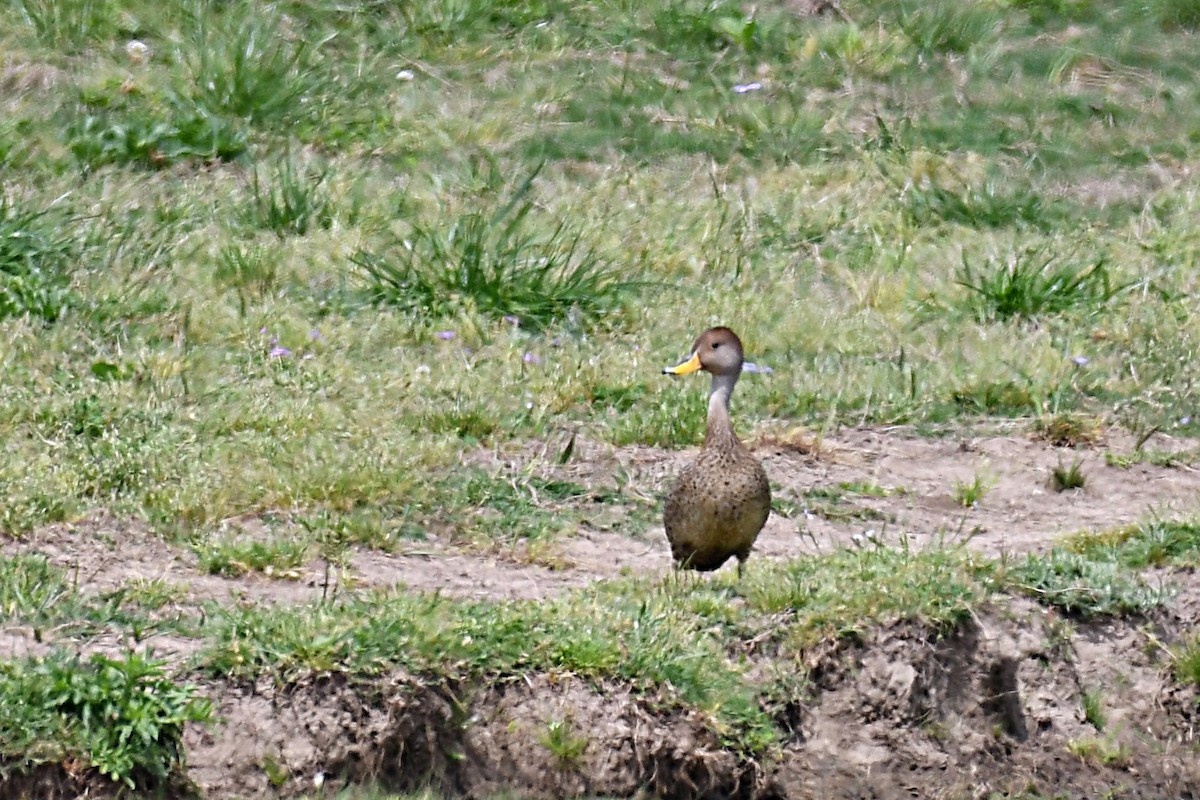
(686, 368)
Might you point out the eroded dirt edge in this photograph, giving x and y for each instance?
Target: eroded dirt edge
(996, 705)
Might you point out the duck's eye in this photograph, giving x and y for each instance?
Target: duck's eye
(715, 345)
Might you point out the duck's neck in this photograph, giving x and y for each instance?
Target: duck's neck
(720, 427)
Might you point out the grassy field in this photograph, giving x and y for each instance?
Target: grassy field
(292, 262)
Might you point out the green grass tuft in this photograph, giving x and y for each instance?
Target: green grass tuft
(971, 494)
(496, 262)
(242, 61)
(1093, 709)
(1064, 478)
(1185, 662)
(935, 586)
(1177, 14)
(292, 202)
(152, 139)
(1031, 286)
(237, 554)
(947, 27)
(33, 590)
(71, 25)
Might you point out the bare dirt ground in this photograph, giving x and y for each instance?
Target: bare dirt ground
(997, 706)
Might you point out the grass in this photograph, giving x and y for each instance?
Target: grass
(1068, 430)
(438, 263)
(1096, 574)
(35, 258)
(237, 555)
(563, 743)
(664, 638)
(1031, 285)
(1152, 544)
(1185, 662)
(1084, 588)
(970, 495)
(1101, 751)
(1065, 478)
(1093, 709)
(495, 262)
(291, 202)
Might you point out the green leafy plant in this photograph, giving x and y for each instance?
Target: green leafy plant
(1082, 586)
(36, 250)
(123, 716)
(154, 139)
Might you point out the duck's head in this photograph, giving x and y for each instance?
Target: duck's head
(717, 351)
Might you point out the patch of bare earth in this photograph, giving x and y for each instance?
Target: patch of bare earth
(996, 705)
(1019, 512)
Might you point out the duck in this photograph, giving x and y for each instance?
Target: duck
(720, 502)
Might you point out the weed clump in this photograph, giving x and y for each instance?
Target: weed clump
(1082, 586)
(1033, 285)
(1068, 430)
(496, 263)
(122, 716)
(1064, 478)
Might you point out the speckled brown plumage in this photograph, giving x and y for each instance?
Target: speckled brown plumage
(721, 500)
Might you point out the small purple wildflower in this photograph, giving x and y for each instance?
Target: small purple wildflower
(1079, 361)
(279, 352)
(512, 319)
(315, 335)
(1185, 420)
(556, 342)
(762, 369)
(742, 88)
(445, 336)
(263, 330)
(531, 358)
